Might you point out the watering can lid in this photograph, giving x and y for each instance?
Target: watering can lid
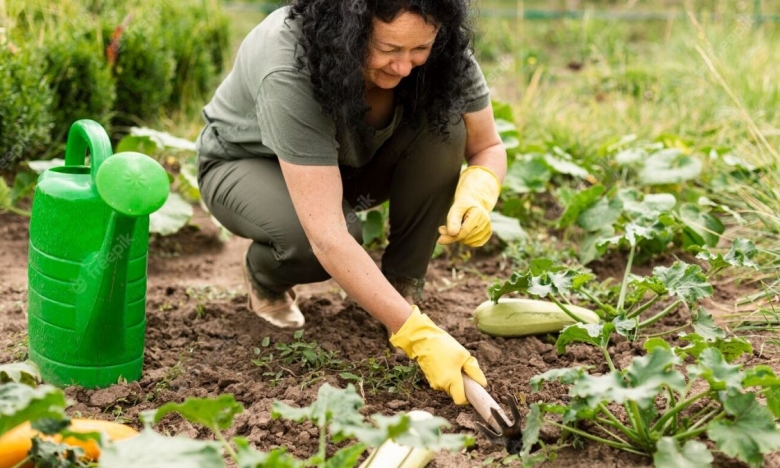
(132, 183)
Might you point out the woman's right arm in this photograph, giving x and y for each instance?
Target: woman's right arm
(316, 193)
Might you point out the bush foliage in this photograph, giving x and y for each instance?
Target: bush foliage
(119, 62)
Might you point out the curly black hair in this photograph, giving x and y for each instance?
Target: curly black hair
(335, 35)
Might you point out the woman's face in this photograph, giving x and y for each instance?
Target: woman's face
(395, 48)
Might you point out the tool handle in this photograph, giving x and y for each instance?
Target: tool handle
(481, 400)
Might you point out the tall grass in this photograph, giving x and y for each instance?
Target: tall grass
(709, 82)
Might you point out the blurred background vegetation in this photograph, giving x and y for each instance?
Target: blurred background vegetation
(579, 78)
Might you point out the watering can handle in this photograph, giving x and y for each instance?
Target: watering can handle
(85, 134)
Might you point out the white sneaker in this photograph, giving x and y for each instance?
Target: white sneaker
(282, 312)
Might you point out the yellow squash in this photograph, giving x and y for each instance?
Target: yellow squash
(16, 443)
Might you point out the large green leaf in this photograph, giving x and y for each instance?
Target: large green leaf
(20, 403)
(576, 202)
(751, 433)
(669, 166)
(740, 254)
(214, 413)
(528, 175)
(534, 421)
(669, 454)
(653, 371)
(506, 228)
(22, 372)
(561, 162)
(720, 374)
(600, 215)
(731, 348)
(173, 216)
(688, 282)
(701, 227)
(277, 458)
(373, 227)
(596, 334)
(566, 376)
(704, 325)
(611, 388)
(336, 407)
(347, 456)
(638, 204)
(152, 450)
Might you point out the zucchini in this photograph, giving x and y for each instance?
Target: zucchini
(16, 443)
(522, 317)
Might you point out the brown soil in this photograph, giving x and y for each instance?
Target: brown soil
(201, 341)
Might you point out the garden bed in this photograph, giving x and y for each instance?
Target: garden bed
(202, 341)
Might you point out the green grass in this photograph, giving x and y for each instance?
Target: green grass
(706, 84)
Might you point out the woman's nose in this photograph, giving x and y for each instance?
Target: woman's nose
(401, 67)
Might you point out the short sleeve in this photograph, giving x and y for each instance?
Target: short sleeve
(477, 95)
(291, 121)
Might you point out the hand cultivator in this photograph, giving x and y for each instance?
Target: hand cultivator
(496, 427)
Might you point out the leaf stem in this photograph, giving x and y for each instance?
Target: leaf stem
(644, 307)
(565, 309)
(595, 438)
(619, 425)
(691, 433)
(639, 424)
(624, 286)
(669, 332)
(677, 408)
(661, 314)
(608, 358)
(600, 304)
(19, 211)
(611, 434)
(224, 443)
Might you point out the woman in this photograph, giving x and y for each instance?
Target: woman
(336, 106)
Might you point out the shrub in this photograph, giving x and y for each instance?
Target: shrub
(25, 100)
(199, 38)
(143, 67)
(79, 77)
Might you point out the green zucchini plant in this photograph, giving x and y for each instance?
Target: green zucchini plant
(685, 283)
(663, 402)
(335, 412)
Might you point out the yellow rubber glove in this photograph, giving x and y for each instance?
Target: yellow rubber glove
(468, 220)
(439, 355)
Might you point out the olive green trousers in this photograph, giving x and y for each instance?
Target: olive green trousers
(414, 169)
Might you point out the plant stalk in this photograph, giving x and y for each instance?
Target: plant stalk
(677, 408)
(661, 314)
(669, 332)
(595, 438)
(608, 358)
(695, 432)
(598, 303)
(624, 286)
(565, 309)
(224, 443)
(617, 424)
(644, 307)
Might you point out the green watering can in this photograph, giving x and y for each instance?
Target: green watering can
(89, 237)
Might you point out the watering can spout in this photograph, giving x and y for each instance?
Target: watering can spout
(133, 185)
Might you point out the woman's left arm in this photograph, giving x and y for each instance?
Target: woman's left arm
(479, 186)
(483, 144)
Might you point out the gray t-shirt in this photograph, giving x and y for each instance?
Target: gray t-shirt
(266, 106)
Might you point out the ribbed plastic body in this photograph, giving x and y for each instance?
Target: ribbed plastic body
(87, 266)
(67, 231)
